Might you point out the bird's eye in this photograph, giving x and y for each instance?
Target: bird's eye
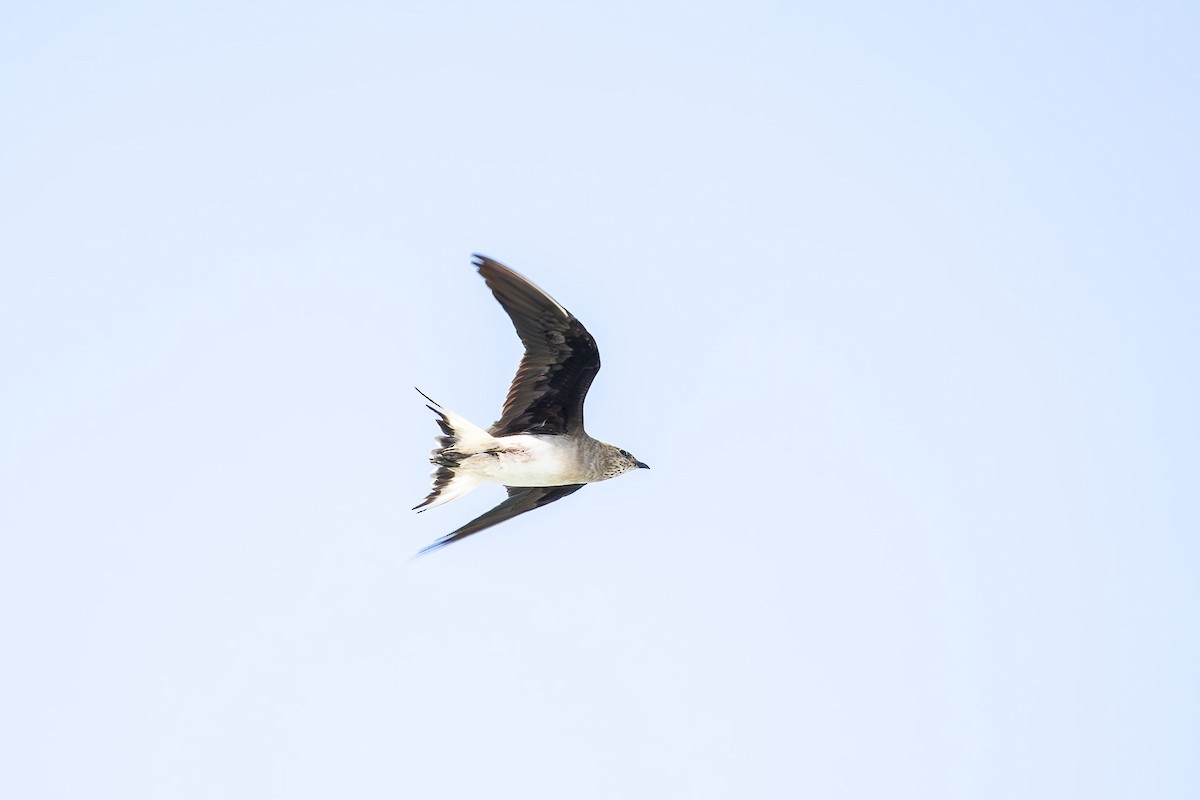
(625, 454)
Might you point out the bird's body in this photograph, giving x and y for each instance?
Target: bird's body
(530, 460)
(527, 459)
(538, 448)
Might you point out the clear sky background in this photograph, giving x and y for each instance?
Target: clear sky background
(899, 301)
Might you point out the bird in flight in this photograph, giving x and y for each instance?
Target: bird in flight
(538, 448)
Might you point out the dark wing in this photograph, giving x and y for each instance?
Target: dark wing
(520, 499)
(560, 359)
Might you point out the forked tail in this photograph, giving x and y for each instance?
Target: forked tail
(460, 440)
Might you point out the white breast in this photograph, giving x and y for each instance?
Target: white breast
(528, 461)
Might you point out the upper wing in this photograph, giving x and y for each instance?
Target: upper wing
(560, 359)
(520, 499)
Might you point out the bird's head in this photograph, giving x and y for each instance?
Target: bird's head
(618, 462)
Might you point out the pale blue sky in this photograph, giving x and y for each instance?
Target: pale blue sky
(899, 300)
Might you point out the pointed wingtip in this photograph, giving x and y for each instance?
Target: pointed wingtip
(424, 551)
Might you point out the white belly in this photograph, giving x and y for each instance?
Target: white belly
(526, 461)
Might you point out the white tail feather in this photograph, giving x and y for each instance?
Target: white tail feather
(460, 483)
(462, 439)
